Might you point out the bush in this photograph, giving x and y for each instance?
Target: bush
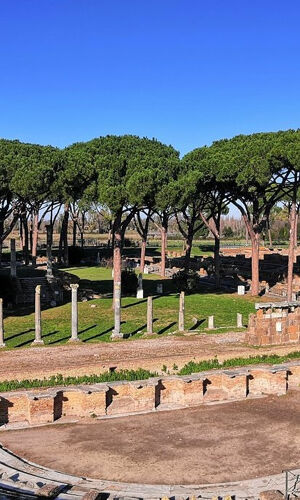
(186, 281)
(129, 282)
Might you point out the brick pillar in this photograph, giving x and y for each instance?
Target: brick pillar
(2, 343)
(38, 324)
(74, 337)
(181, 312)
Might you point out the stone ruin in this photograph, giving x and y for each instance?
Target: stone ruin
(274, 323)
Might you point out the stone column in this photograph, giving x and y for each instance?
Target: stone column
(38, 324)
(74, 336)
(140, 291)
(2, 343)
(49, 274)
(239, 320)
(13, 259)
(211, 322)
(181, 312)
(149, 316)
(116, 333)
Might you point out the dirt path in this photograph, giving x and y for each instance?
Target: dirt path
(83, 359)
(221, 442)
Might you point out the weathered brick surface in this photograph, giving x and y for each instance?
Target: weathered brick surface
(41, 409)
(262, 381)
(45, 406)
(130, 397)
(274, 326)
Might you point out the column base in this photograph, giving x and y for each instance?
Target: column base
(116, 336)
(74, 341)
(38, 342)
(2, 345)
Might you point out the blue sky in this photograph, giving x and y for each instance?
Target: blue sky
(186, 72)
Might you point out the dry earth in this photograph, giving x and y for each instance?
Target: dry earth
(215, 443)
(83, 359)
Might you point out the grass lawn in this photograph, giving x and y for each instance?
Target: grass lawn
(96, 316)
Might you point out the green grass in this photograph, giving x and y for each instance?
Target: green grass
(141, 374)
(96, 316)
(271, 359)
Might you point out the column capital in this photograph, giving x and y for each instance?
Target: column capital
(74, 286)
(38, 289)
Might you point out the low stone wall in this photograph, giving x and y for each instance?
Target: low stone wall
(120, 398)
(274, 323)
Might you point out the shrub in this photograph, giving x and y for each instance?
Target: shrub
(129, 282)
(186, 281)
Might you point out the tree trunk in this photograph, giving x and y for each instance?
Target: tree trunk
(293, 219)
(35, 231)
(117, 266)
(74, 232)
(217, 236)
(255, 237)
(1, 237)
(270, 237)
(188, 250)
(82, 230)
(143, 254)
(217, 261)
(25, 239)
(296, 230)
(163, 251)
(63, 240)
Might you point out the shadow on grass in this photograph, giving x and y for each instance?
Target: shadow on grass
(87, 329)
(100, 334)
(24, 343)
(197, 323)
(19, 334)
(163, 330)
(142, 301)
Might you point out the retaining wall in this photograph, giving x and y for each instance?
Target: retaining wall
(120, 398)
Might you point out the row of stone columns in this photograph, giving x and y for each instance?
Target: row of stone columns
(74, 317)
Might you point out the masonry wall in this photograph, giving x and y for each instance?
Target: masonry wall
(36, 407)
(270, 326)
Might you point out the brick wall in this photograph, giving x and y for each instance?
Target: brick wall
(120, 398)
(274, 326)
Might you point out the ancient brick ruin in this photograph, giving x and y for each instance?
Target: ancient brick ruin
(122, 398)
(274, 323)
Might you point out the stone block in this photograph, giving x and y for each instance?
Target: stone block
(235, 384)
(13, 407)
(131, 397)
(192, 391)
(213, 388)
(40, 408)
(264, 381)
(294, 376)
(84, 402)
(172, 391)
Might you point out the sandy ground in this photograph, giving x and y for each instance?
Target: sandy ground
(223, 442)
(150, 354)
